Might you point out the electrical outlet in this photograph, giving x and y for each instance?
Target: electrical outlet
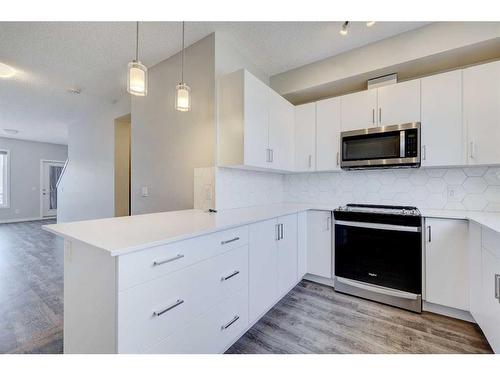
(452, 192)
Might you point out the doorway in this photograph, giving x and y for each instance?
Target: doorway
(122, 165)
(50, 171)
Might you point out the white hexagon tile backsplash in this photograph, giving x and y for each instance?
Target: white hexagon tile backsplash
(474, 188)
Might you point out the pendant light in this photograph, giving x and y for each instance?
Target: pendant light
(182, 90)
(137, 79)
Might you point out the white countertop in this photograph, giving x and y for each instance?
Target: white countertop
(122, 235)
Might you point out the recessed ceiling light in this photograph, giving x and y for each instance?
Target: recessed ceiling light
(6, 71)
(370, 23)
(11, 131)
(75, 91)
(344, 29)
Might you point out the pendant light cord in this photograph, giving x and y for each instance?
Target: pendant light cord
(182, 55)
(137, 42)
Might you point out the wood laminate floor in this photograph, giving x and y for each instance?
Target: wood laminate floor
(310, 319)
(313, 318)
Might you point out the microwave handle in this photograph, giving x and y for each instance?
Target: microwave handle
(402, 143)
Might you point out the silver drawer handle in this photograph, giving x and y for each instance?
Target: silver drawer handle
(230, 323)
(172, 306)
(224, 278)
(497, 287)
(160, 262)
(229, 241)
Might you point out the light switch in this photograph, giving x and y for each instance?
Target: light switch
(144, 191)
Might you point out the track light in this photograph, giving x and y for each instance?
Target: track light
(344, 29)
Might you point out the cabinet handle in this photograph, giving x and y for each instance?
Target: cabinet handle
(230, 323)
(472, 151)
(174, 305)
(268, 155)
(497, 287)
(160, 262)
(373, 115)
(380, 115)
(310, 161)
(338, 154)
(430, 233)
(282, 232)
(272, 155)
(225, 278)
(277, 232)
(424, 149)
(328, 221)
(229, 241)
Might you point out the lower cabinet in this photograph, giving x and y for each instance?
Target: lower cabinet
(446, 263)
(273, 262)
(319, 243)
(475, 273)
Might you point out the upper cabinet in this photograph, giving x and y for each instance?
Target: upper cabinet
(359, 110)
(442, 127)
(328, 134)
(255, 126)
(399, 103)
(305, 137)
(482, 113)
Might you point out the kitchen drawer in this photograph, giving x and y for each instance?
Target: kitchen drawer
(213, 332)
(145, 265)
(491, 241)
(190, 292)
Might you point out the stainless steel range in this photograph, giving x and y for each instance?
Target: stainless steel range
(378, 254)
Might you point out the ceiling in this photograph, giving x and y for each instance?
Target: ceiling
(54, 57)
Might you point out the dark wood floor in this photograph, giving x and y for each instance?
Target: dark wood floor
(311, 319)
(314, 318)
(31, 289)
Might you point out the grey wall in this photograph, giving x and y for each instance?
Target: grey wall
(25, 159)
(166, 144)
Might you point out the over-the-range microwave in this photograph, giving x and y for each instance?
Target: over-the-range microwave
(395, 146)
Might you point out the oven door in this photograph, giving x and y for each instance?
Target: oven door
(381, 254)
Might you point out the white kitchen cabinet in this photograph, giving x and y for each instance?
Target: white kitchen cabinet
(305, 137)
(442, 135)
(399, 103)
(328, 134)
(263, 265)
(359, 110)
(491, 299)
(281, 132)
(446, 260)
(255, 124)
(475, 273)
(301, 244)
(319, 243)
(481, 94)
(287, 254)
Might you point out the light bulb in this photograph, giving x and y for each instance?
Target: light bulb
(182, 97)
(137, 79)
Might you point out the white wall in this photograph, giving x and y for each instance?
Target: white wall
(167, 144)
(87, 188)
(474, 188)
(412, 45)
(25, 159)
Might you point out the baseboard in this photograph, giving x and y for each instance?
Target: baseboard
(448, 311)
(20, 220)
(319, 279)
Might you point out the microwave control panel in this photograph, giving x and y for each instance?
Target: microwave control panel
(411, 143)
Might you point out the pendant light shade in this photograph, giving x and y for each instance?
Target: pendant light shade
(182, 90)
(137, 78)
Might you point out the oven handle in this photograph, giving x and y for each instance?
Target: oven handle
(359, 224)
(378, 289)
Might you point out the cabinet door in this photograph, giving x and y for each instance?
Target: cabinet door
(305, 137)
(446, 260)
(256, 118)
(399, 103)
(442, 127)
(358, 110)
(281, 132)
(263, 265)
(319, 244)
(328, 134)
(482, 112)
(287, 254)
(491, 301)
(475, 275)
(302, 244)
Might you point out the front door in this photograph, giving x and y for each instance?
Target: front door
(51, 170)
